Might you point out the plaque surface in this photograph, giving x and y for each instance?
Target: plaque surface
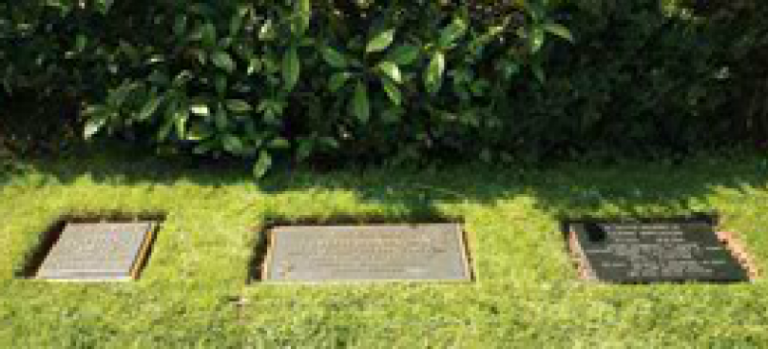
(98, 252)
(653, 252)
(426, 252)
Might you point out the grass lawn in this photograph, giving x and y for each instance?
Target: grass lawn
(194, 291)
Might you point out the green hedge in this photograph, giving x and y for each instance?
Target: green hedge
(397, 80)
(646, 77)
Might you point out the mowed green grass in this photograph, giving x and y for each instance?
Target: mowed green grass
(194, 292)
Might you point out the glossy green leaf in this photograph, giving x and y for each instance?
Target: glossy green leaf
(238, 106)
(360, 104)
(221, 118)
(94, 124)
(279, 144)
(164, 131)
(182, 79)
(267, 32)
(381, 41)
(220, 82)
(149, 108)
(291, 69)
(329, 142)
(200, 109)
(254, 66)
(262, 166)
(205, 147)
(80, 42)
(452, 32)
(209, 35)
(338, 80)
(224, 61)
(104, 6)
(391, 70)
(392, 91)
(333, 58)
(404, 55)
(180, 120)
(236, 22)
(537, 39)
(302, 17)
(167, 126)
(538, 72)
(180, 25)
(130, 51)
(198, 132)
(118, 96)
(305, 148)
(559, 30)
(433, 78)
(232, 144)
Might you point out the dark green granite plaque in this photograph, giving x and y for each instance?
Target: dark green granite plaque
(424, 252)
(98, 252)
(664, 251)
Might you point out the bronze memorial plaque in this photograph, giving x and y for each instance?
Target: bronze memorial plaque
(664, 251)
(98, 252)
(420, 252)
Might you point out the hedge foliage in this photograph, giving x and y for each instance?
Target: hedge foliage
(647, 76)
(397, 80)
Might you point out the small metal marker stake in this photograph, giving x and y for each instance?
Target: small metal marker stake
(98, 252)
(420, 252)
(671, 250)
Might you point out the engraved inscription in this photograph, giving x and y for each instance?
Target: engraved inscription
(656, 252)
(95, 251)
(368, 252)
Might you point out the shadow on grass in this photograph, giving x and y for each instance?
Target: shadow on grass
(565, 191)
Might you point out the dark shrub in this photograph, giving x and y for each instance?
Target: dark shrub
(399, 80)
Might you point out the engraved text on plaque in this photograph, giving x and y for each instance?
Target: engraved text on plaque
(381, 252)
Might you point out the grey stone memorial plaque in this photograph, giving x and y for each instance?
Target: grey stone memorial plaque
(422, 252)
(98, 252)
(664, 251)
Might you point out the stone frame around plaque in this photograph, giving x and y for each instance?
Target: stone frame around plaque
(53, 233)
(259, 267)
(729, 242)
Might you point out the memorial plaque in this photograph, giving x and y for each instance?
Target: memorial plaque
(424, 252)
(668, 251)
(98, 252)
